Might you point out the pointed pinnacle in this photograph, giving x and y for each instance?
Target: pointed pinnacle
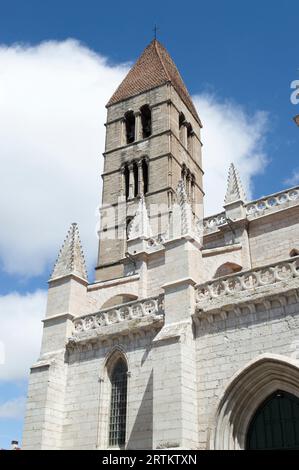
(234, 191)
(70, 259)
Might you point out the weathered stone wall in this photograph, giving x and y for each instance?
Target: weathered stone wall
(265, 239)
(213, 259)
(226, 345)
(272, 237)
(156, 271)
(87, 404)
(165, 153)
(45, 406)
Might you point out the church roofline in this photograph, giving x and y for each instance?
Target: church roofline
(153, 68)
(108, 105)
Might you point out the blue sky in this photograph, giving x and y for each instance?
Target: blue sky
(239, 58)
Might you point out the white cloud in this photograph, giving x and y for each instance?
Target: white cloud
(13, 409)
(294, 179)
(52, 111)
(229, 134)
(20, 332)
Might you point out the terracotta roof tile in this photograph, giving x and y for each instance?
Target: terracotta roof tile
(153, 68)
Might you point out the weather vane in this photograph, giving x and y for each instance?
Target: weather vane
(155, 31)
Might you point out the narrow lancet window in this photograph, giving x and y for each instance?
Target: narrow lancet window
(189, 138)
(127, 180)
(135, 173)
(130, 126)
(181, 126)
(146, 121)
(145, 176)
(118, 406)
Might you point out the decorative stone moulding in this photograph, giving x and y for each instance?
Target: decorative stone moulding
(156, 242)
(255, 208)
(248, 306)
(248, 281)
(264, 205)
(213, 222)
(152, 306)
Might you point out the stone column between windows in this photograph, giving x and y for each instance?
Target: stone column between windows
(131, 181)
(192, 191)
(184, 175)
(140, 178)
(188, 184)
(138, 126)
(184, 134)
(122, 181)
(192, 144)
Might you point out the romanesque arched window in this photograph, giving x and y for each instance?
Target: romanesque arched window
(118, 404)
(146, 121)
(182, 121)
(189, 138)
(130, 126)
(188, 179)
(135, 176)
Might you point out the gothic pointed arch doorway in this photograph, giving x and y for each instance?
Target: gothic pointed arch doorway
(275, 424)
(245, 395)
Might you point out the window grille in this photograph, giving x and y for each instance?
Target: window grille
(118, 409)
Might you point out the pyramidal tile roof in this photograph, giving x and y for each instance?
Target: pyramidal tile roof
(70, 258)
(234, 191)
(154, 68)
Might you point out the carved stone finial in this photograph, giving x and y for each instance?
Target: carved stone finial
(70, 259)
(140, 225)
(235, 191)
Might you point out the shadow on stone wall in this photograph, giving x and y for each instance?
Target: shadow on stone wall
(141, 436)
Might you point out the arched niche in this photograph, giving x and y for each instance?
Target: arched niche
(227, 268)
(118, 299)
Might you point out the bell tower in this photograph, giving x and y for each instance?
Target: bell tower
(152, 142)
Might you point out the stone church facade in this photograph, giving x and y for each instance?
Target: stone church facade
(189, 336)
